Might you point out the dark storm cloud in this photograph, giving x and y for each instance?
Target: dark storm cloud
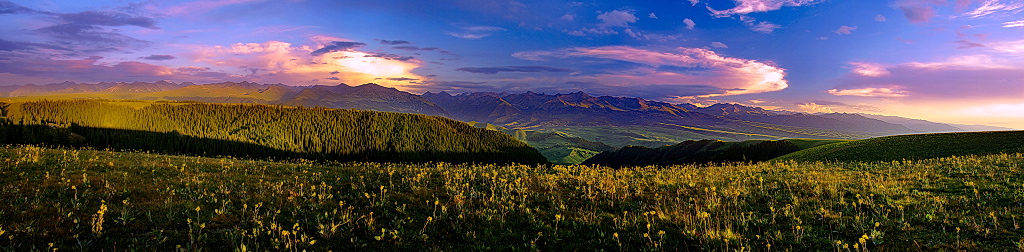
(159, 57)
(515, 69)
(337, 46)
(394, 42)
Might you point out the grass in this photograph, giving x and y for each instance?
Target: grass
(915, 147)
(105, 200)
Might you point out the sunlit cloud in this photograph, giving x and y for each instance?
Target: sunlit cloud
(689, 23)
(1008, 46)
(995, 7)
(869, 69)
(683, 66)
(330, 59)
(869, 92)
(751, 6)
(1011, 24)
(476, 32)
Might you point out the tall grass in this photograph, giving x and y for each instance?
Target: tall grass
(102, 200)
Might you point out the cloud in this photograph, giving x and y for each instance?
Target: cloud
(960, 78)
(995, 7)
(765, 27)
(1008, 46)
(595, 31)
(108, 18)
(819, 106)
(996, 110)
(7, 7)
(617, 18)
(159, 57)
(394, 42)
(568, 17)
(750, 6)
(93, 69)
(514, 69)
(845, 30)
(402, 79)
(337, 46)
(683, 66)
(916, 11)
(1011, 24)
(880, 18)
(90, 38)
(717, 44)
(390, 56)
(199, 7)
(652, 16)
(416, 48)
(7, 45)
(964, 44)
(476, 32)
(869, 69)
(689, 23)
(869, 92)
(282, 62)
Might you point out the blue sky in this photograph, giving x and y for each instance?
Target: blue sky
(958, 61)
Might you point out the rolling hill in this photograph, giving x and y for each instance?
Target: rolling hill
(703, 152)
(915, 147)
(258, 131)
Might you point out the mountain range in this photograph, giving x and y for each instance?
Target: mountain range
(568, 128)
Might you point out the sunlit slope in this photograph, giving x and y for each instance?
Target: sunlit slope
(919, 146)
(259, 131)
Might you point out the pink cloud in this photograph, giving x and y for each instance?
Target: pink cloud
(733, 76)
(916, 11)
(751, 6)
(276, 61)
(845, 30)
(1011, 24)
(996, 7)
(869, 69)
(869, 92)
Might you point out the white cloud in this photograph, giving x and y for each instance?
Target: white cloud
(751, 6)
(845, 30)
(694, 2)
(869, 92)
(652, 16)
(689, 23)
(619, 18)
(1011, 24)
(869, 69)
(717, 44)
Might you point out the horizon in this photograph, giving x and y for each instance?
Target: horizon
(953, 62)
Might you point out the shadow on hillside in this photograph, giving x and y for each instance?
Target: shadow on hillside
(176, 143)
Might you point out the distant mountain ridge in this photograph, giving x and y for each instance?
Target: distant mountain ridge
(609, 120)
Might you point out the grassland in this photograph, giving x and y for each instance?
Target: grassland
(72, 199)
(914, 147)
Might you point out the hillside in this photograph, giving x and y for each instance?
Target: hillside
(259, 131)
(915, 147)
(93, 200)
(702, 152)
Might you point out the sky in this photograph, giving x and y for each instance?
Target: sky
(956, 61)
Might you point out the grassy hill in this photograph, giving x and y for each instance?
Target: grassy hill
(91, 200)
(702, 152)
(258, 131)
(911, 147)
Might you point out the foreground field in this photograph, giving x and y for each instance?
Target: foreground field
(103, 200)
